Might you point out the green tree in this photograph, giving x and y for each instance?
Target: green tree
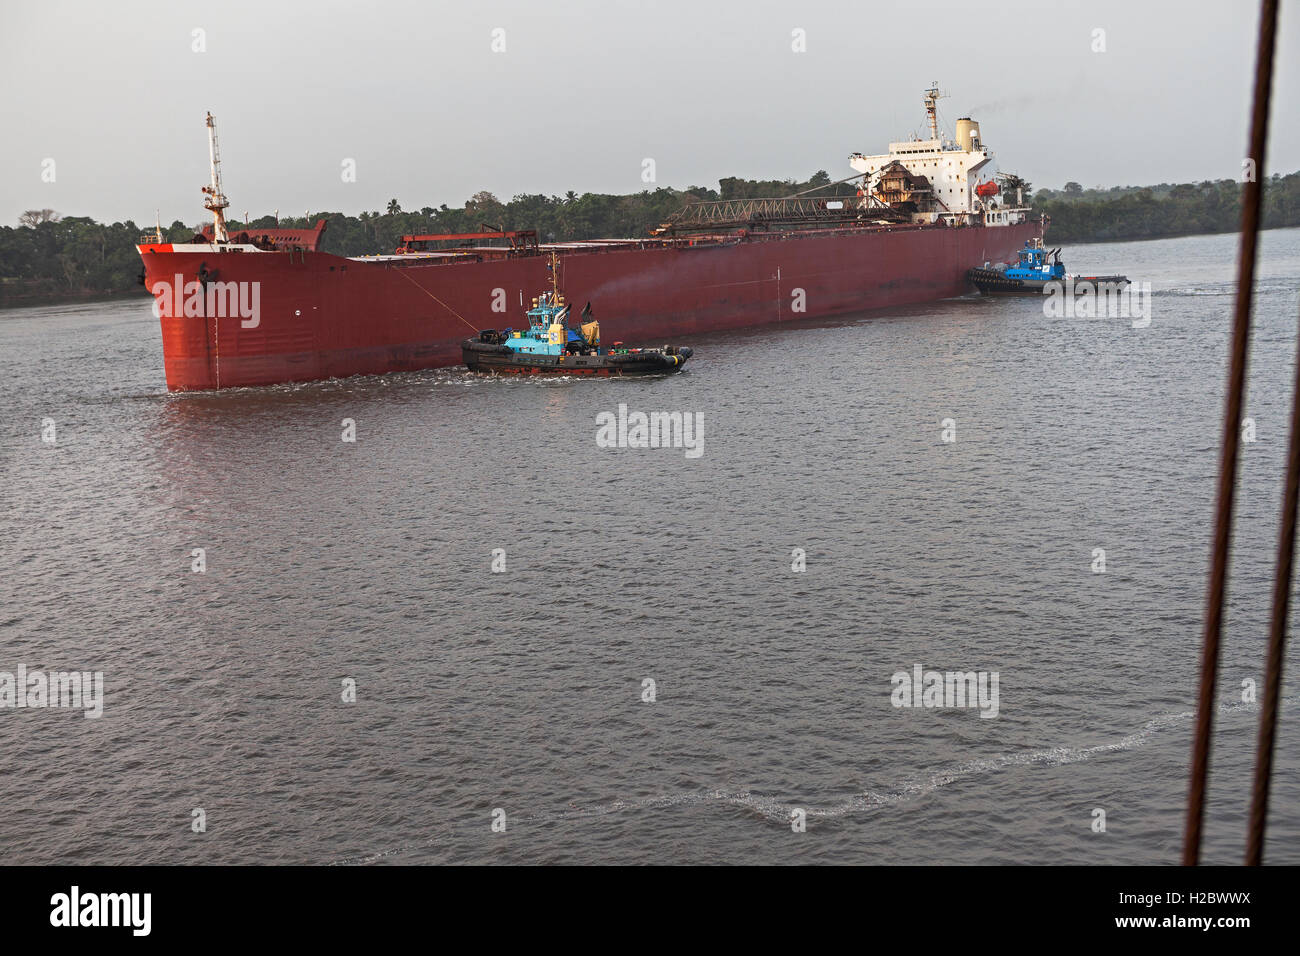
(1013, 186)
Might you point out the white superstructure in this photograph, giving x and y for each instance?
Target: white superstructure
(961, 172)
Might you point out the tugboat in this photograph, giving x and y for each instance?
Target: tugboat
(551, 347)
(1034, 274)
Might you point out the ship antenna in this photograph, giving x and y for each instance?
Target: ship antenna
(932, 96)
(555, 287)
(216, 201)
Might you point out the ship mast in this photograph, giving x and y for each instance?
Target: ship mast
(932, 96)
(555, 281)
(216, 201)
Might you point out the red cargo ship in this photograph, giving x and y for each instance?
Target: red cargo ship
(269, 306)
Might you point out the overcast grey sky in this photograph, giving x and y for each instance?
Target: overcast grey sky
(585, 91)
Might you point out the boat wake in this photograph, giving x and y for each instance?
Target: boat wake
(779, 812)
(1196, 290)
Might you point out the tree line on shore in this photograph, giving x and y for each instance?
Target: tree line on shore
(1155, 212)
(48, 255)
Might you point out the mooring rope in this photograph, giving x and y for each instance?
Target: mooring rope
(402, 273)
(1216, 588)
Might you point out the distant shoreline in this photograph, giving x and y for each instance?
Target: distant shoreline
(70, 298)
(1172, 235)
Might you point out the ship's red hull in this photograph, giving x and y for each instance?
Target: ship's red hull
(323, 316)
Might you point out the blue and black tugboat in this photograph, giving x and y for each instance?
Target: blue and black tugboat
(552, 347)
(1038, 271)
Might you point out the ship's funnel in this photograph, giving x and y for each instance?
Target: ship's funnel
(968, 133)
